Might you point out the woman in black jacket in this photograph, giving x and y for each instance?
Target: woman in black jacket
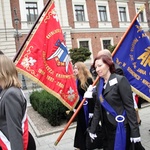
(83, 80)
(114, 107)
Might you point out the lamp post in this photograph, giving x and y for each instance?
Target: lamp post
(17, 35)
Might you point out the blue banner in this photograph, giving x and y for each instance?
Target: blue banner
(133, 55)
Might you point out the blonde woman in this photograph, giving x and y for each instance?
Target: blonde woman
(83, 79)
(14, 134)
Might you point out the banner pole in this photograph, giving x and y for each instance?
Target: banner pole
(73, 116)
(124, 35)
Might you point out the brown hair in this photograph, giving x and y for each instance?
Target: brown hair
(8, 73)
(83, 74)
(107, 60)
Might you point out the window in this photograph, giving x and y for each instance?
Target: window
(102, 13)
(31, 11)
(122, 13)
(79, 12)
(141, 16)
(84, 44)
(106, 44)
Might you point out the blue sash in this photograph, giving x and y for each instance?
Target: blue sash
(85, 107)
(120, 138)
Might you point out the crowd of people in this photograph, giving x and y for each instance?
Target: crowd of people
(114, 108)
(110, 103)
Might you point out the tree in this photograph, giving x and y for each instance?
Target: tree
(79, 54)
(111, 48)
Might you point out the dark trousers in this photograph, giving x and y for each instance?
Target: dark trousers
(31, 143)
(110, 137)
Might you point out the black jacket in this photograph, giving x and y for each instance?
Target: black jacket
(119, 96)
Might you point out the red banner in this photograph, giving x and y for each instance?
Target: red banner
(44, 58)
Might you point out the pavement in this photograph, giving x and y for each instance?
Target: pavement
(66, 141)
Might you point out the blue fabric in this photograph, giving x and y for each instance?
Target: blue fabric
(120, 138)
(85, 107)
(133, 55)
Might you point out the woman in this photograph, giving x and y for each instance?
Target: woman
(83, 79)
(14, 134)
(114, 98)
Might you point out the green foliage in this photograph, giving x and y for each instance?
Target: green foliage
(34, 99)
(56, 112)
(49, 107)
(79, 54)
(111, 48)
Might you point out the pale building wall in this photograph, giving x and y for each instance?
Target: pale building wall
(7, 40)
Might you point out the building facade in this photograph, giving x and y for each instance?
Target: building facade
(95, 24)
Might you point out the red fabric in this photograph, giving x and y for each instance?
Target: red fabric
(44, 58)
(136, 98)
(3, 146)
(25, 134)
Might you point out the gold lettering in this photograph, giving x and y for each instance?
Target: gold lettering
(49, 78)
(52, 33)
(146, 83)
(145, 57)
(134, 64)
(133, 73)
(133, 44)
(141, 71)
(131, 57)
(50, 70)
(60, 85)
(124, 64)
(64, 76)
(41, 72)
(139, 28)
(144, 35)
